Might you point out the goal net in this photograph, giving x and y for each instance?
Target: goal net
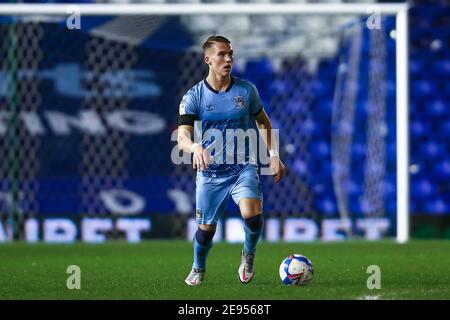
(89, 105)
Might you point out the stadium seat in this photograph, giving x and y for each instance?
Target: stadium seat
(438, 108)
(300, 167)
(320, 149)
(423, 88)
(422, 188)
(437, 206)
(259, 67)
(328, 207)
(359, 150)
(442, 168)
(416, 67)
(444, 127)
(419, 128)
(433, 149)
(442, 67)
(390, 186)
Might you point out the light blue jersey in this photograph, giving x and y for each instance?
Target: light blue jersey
(226, 112)
(218, 117)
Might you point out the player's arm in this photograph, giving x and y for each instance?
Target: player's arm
(185, 143)
(265, 130)
(184, 138)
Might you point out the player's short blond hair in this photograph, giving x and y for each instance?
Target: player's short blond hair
(212, 39)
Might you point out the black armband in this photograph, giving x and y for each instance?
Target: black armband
(187, 119)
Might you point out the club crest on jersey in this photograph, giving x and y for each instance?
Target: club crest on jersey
(239, 100)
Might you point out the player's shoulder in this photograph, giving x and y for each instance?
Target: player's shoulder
(243, 83)
(195, 89)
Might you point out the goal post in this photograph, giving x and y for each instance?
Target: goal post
(400, 11)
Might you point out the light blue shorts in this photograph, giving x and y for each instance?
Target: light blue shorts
(212, 194)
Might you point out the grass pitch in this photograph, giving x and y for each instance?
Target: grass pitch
(156, 270)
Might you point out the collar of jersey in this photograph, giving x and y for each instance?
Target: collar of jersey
(214, 90)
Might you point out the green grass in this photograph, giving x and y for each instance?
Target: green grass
(156, 270)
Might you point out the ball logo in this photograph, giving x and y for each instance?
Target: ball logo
(296, 269)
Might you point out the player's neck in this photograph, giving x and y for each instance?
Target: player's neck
(217, 82)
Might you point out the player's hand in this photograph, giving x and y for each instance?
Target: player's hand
(277, 168)
(200, 158)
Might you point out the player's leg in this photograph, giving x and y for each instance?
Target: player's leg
(248, 195)
(202, 244)
(251, 212)
(211, 199)
(251, 209)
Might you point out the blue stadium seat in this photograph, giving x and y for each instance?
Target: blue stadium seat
(432, 149)
(309, 127)
(297, 106)
(328, 207)
(442, 67)
(442, 168)
(320, 149)
(419, 128)
(326, 106)
(422, 88)
(300, 167)
(437, 206)
(446, 86)
(260, 67)
(438, 108)
(317, 87)
(444, 127)
(390, 187)
(422, 188)
(352, 188)
(416, 67)
(359, 150)
(280, 87)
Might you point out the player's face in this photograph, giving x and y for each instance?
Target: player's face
(220, 58)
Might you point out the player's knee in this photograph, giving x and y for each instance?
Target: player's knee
(254, 223)
(204, 237)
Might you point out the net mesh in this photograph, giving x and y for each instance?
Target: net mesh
(324, 81)
(104, 156)
(19, 149)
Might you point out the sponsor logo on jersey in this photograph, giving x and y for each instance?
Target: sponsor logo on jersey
(198, 214)
(182, 108)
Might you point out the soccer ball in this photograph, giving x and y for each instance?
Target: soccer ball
(296, 269)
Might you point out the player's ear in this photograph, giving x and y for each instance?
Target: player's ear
(206, 59)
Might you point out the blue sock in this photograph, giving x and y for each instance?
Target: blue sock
(202, 245)
(253, 228)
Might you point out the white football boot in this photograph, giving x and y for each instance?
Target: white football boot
(195, 277)
(246, 270)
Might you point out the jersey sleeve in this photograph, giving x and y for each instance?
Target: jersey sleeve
(255, 101)
(188, 109)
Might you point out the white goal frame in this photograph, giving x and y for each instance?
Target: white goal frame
(400, 10)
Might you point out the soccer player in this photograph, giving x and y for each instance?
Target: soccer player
(221, 103)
